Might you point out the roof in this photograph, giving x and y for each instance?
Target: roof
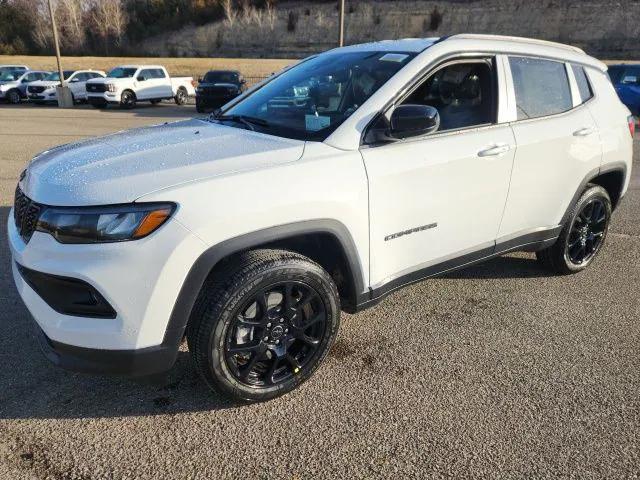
(402, 45)
(483, 43)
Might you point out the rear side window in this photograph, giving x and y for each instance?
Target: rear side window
(583, 83)
(158, 73)
(541, 87)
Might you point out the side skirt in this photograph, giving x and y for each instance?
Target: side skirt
(530, 242)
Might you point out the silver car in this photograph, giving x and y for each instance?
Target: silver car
(13, 83)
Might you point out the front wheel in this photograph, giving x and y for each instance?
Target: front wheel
(263, 324)
(127, 99)
(13, 96)
(582, 236)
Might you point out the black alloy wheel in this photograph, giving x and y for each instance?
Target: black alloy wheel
(276, 334)
(583, 234)
(587, 232)
(263, 324)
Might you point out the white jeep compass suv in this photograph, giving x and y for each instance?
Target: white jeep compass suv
(324, 188)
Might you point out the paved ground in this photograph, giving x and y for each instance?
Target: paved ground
(500, 370)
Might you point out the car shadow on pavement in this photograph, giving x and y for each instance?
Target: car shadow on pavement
(31, 387)
(509, 266)
(166, 109)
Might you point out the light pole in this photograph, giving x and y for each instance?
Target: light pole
(341, 33)
(65, 100)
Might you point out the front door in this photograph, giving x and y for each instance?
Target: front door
(437, 200)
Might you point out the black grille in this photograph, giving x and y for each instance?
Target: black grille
(26, 213)
(96, 87)
(217, 91)
(36, 89)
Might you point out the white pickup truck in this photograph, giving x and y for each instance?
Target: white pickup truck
(128, 84)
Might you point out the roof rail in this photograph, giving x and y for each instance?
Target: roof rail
(530, 41)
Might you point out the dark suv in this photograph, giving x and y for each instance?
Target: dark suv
(218, 87)
(626, 80)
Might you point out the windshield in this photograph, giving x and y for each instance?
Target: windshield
(120, 72)
(221, 77)
(10, 76)
(312, 99)
(55, 76)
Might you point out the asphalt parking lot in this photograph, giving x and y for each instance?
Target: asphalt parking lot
(496, 371)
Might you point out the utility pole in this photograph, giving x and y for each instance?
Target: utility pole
(55, 41)
(65, 100)
(341, 33)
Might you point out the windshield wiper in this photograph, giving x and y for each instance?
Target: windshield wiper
(245, 120)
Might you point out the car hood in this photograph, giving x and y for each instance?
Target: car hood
(124, 166)
(8, 83)
(110, 80)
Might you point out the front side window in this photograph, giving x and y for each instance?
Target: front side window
(583, 83)
(312, 99)
(541, 87)
(463, 93)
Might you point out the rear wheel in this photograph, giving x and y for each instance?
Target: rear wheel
(582, 236)
(181, 96)
(127, 99)
(13, 96)
(264, 324)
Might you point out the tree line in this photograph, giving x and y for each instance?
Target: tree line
(104, 27)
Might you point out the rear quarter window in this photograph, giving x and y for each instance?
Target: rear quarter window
(583, 83)
(541, 87)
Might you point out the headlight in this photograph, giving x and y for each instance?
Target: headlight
(111, 87)
(103, 224)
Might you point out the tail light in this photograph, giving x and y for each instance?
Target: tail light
(632, 124)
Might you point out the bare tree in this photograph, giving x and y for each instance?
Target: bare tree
(108, 21)
(229, 12)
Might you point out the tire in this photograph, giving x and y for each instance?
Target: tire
(13, 97)
(583, 234)
(155, 102)
(127, 99)
(281, 347)
(181, 96)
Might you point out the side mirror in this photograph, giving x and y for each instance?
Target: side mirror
(243, 81)
(630, 79)
(141, 78)
(413, 121)
(75, 80)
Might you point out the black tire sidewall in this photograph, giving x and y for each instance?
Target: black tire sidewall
(13, 94)
(218, 369)
(591, 193)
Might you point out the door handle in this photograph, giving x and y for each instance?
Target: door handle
(583, 132)
(494, 150)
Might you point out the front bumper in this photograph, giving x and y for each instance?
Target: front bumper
(103, 98)
(135, 363)
(140, 280)
(42, 97)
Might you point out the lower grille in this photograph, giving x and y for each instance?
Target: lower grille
(26, 213)
(35, 89)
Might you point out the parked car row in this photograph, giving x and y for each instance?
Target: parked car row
(125, 86)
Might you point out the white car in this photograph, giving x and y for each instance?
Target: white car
(128, 84)
(327, 187)
(11, 68)
(44, 91)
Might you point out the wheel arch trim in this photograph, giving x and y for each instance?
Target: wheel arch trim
(620, 167)
(205, 263)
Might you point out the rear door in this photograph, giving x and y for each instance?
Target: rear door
(558, 145)
(163, 84)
